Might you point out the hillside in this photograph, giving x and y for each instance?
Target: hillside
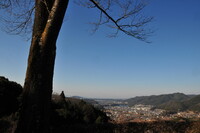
(9, 96)
(190, 104)
(72, 110)
(173, 106)
(158, 99)
(193, 103)
(171, 102)
(67, 114)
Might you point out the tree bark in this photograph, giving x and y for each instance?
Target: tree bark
(36, 103)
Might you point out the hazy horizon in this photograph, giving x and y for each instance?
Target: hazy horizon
(120, 97)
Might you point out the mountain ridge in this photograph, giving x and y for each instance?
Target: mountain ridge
(170, 102)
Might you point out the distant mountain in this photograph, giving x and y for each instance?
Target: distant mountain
(173, 106)
(193, 103)
(157, 99)
(170, 102)
(190, 104)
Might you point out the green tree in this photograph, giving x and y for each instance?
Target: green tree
(48, 18)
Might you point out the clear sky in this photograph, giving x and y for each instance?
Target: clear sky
(93, 65)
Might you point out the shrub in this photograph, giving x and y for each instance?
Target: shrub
(9, 94)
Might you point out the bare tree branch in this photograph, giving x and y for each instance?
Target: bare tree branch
(22, 23)
(5, 4)
(130, 20)
(18, 16)
(121, 15)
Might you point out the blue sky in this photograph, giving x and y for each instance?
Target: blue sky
(93, 65)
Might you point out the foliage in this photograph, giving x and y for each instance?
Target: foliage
(72, 111)
(9, 96)
(195, 128)
(64, 111)
(8, 123)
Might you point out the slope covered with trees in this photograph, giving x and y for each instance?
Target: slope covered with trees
(171, 102)
(67, 114)
(192, 104)
(9, 96)
(157, 99)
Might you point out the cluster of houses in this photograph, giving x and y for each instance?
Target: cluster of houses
(138, 113)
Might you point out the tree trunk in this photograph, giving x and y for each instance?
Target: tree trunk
(35, 112)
